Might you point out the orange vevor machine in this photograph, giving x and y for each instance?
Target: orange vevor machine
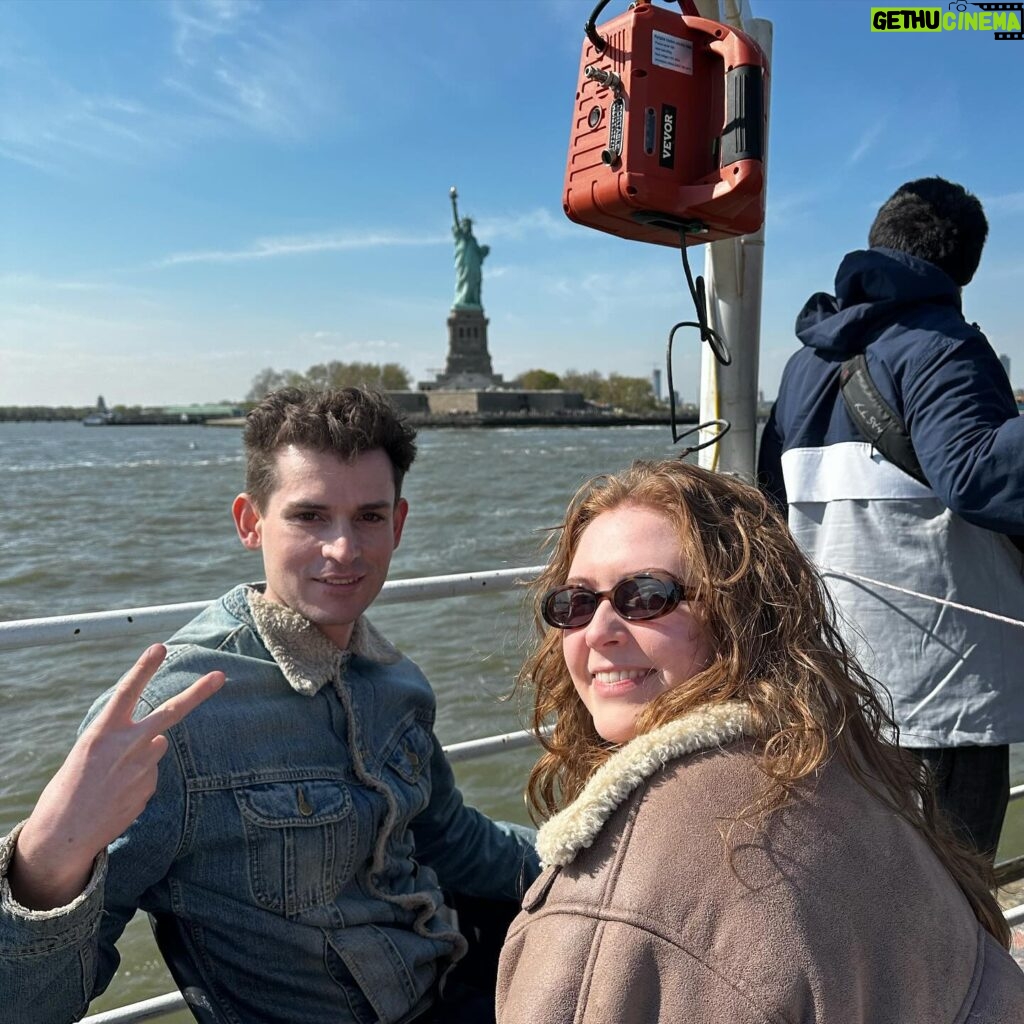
(668, 128)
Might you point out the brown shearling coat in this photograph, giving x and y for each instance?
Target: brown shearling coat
(837, 912)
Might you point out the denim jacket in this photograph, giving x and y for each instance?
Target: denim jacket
(304, 822)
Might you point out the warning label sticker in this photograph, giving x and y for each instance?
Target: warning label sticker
(672, 53)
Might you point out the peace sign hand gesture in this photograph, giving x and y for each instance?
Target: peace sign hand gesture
(101, 788)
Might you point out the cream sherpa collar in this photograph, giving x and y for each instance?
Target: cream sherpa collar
(575, 827)
(306, 657)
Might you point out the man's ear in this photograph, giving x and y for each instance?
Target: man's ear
(247, 522)
(401, 511)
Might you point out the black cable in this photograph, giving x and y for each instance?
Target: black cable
(719, 346)
(722, 424)
(600, 43)
(723, 428)
(698, 292)
(590, 28)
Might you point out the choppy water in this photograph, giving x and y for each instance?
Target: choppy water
(103, 518)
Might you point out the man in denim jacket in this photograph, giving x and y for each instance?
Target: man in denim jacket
(291, 835)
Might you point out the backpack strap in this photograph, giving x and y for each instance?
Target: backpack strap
(876, 420)
(879, 423)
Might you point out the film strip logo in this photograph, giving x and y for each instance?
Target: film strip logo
(1016, 7)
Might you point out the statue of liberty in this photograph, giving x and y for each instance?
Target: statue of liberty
(469, 259)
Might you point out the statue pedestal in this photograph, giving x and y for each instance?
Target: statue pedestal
(467, 343)
(469, 363)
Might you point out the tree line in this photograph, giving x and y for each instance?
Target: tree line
(631, 394)
(335, 374)
(27, 413)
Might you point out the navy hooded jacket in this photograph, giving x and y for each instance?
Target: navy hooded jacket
(936, 370)
(858, 515)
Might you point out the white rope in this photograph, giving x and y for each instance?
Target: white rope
(923, 597)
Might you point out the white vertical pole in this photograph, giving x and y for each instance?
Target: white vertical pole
(733, 272)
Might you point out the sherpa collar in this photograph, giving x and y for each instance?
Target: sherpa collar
(575, 827)
(306, 657)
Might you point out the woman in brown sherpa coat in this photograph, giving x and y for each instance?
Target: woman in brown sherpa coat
(730, 836)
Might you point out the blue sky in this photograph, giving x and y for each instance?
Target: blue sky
(191, 190)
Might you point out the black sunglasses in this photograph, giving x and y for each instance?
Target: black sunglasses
(644, 595)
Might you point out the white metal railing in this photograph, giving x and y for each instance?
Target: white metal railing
(126, 622)
(166, 618)
(148, 1009)
(469, 750)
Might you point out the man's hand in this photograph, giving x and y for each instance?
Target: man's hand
(101, 788)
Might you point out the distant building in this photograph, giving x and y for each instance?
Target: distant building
(656, 383)
(505, 401)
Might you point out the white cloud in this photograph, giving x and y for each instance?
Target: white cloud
(867, 141)
(517, 227)
(197, 24)
(267, 248)
(228, 67)
(247, 64)
(50, 124)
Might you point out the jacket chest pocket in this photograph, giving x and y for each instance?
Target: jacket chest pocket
(300, 842)
(408, 763)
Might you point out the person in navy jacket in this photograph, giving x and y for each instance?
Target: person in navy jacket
(953, 674)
